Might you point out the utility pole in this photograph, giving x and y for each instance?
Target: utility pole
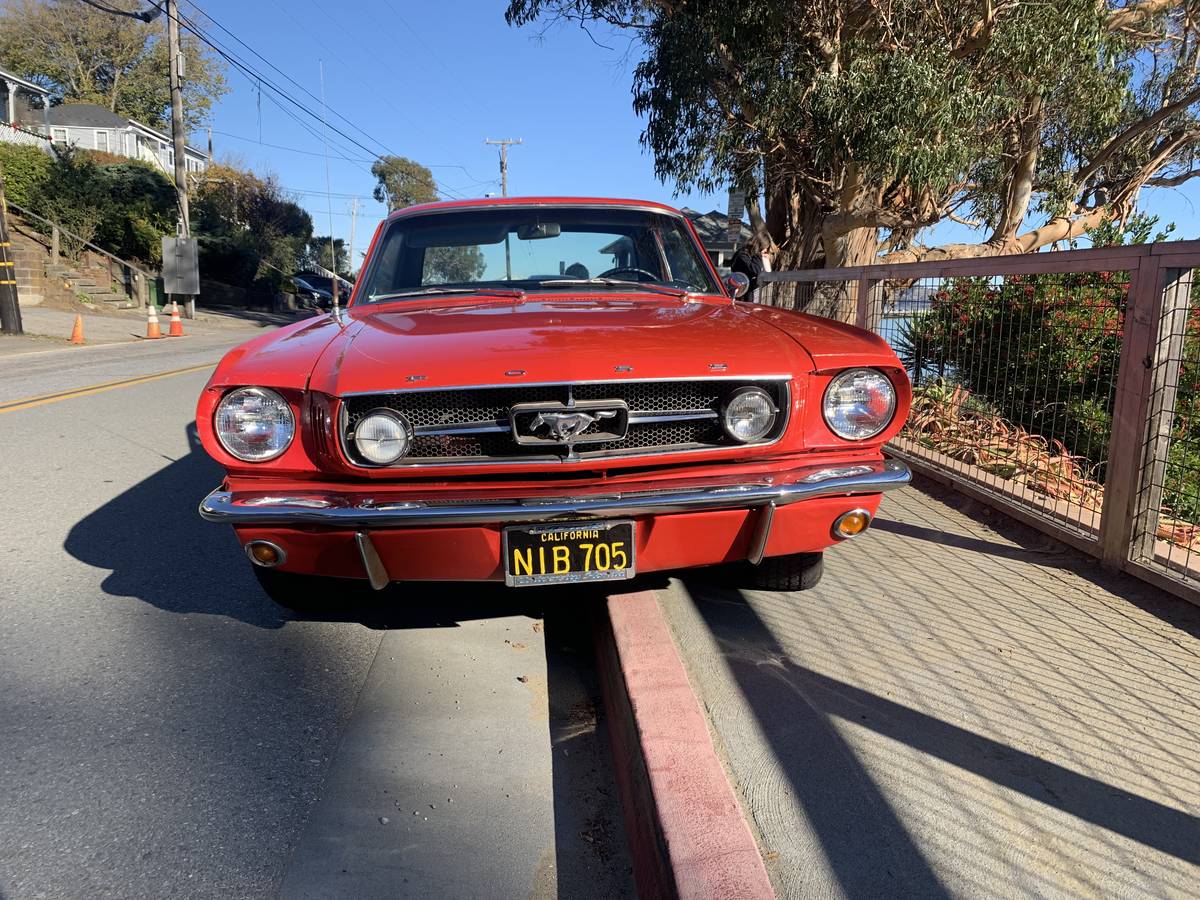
(10, 309)
(177, 135)
(504, 144)
(353, 221)
(178, 138)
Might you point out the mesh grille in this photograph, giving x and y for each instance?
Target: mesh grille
(433, 409)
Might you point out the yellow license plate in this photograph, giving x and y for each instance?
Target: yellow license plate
(571, 552)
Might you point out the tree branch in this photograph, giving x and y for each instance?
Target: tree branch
(1137, 129)
(1136, 13)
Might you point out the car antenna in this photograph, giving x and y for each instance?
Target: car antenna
(333, 281)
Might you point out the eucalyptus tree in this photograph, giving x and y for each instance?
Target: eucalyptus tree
(855, 124)
(83, 54)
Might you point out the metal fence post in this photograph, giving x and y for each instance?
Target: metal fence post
(1143, 312)
(55, 244)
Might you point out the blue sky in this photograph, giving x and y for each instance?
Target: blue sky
(431, 81)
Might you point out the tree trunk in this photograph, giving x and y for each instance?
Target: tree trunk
(837, 299)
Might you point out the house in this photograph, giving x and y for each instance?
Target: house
(713, 228)
(93, 127)
(23, 107)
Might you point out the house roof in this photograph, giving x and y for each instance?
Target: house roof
(712, 227)
(85, 115)
(25, 83)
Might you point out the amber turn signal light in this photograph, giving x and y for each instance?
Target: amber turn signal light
(851, 523)
(265, 554)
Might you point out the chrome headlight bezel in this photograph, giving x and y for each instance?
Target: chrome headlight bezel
(860, 425)
(771, 414)
(405, 430)
(285, 423)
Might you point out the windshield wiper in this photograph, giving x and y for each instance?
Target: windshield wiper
(423, 292)
(613, 282)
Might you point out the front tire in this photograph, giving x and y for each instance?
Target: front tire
(795, 572)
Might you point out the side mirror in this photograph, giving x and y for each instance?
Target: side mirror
(737, 284)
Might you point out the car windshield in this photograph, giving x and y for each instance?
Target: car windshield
(530, 249)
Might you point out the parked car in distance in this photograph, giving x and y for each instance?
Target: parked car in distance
(540, 391)
(310, 294)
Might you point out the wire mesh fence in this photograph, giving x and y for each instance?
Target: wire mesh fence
(1166, 534)
(830, 299)
(1064, 386)
(1014, 379)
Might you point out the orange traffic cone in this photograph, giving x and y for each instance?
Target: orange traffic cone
(153, 330)
(176, 329)
(77, 331)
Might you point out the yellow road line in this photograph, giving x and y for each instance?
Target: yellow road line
(30, 402)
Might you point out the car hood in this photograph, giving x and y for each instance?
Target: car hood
(487, 341)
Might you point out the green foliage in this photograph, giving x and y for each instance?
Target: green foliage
(251, 233)
(316, 253)
(83, 54)
(124, 208)
(449, 265)
(25, 170)
(402, 182)
(1140, 228)
(847, 117)
(1043, 352)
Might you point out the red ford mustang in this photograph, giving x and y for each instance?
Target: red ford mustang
(544, 391)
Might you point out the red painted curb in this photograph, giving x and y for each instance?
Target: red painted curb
(686, 830)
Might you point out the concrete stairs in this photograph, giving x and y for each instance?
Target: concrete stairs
(91, 281)
(39, 278)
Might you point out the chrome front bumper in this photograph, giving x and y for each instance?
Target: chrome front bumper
(354, 510)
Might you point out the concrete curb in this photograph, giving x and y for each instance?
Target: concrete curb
(686, 831)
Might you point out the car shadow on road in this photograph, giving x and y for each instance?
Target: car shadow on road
(160, 551)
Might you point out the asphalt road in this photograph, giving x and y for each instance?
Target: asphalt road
(167, 731)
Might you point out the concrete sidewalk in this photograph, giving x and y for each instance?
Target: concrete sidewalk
(962, 708)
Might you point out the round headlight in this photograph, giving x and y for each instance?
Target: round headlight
(859, 404)
(254, 424)
(382, 436)
(749, 415)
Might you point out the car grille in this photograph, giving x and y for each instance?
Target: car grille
(469, 424)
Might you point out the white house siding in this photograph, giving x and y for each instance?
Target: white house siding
(109, 139)
(130, 142)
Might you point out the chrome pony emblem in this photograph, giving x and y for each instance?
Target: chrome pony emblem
(564, 427)
(568, 424)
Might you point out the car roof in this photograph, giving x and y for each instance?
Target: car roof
(492, 202)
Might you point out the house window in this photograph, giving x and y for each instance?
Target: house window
(58, 135)
(102, 140)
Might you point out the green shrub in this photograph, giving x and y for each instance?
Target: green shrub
(25, 170)
(124, 208)
(1042, 352)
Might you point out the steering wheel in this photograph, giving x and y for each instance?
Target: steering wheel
(650, 276)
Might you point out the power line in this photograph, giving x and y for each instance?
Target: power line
(145, 15)
(254, 75)
(384, 96)
(471, 180)
(290, 79)
(250, 140)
